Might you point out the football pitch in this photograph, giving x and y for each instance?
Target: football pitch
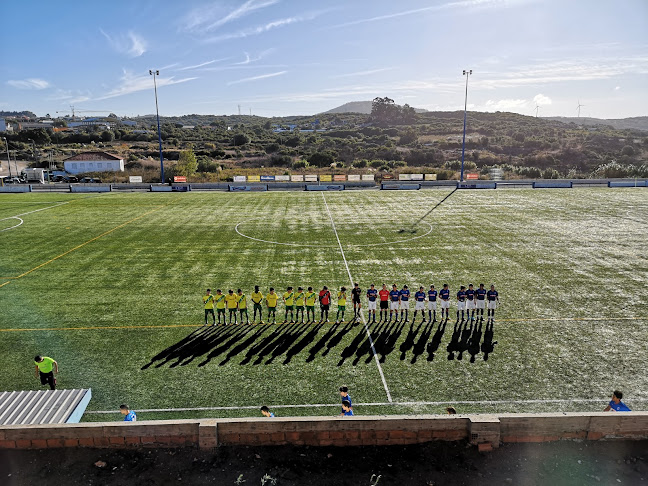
(110, 286)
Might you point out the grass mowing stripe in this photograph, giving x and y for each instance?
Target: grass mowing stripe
(85, 243)
(364, 323)
(377, 404)
(156, 326)
(36, 210)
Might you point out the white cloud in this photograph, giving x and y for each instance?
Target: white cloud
(196, 66)
(129, 44)
(250, 31)
(505, 105)
(617, 88)
(212, 18)
(131, 84)
(541, 100)
(362, 73)
(255, 78)
(29, 83)
(464, 5)
(258, 57)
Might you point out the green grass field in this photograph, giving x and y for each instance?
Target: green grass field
(105, 284)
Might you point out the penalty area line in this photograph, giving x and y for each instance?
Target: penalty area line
(378, 404)
(364, 323)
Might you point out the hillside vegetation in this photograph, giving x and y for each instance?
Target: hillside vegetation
(391, 139)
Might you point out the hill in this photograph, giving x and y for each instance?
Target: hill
(634, 123)
(363, 107)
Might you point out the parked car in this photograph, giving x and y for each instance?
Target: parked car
(91, 180)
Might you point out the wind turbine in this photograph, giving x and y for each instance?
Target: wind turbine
(536, 109)
(579, 107)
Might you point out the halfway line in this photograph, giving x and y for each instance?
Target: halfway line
(373, 349)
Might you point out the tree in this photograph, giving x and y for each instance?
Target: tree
(107, 136)
(628, 150)
(408, 136)
(383, 110)
(321, 159)
(187, 163)
(241, 139)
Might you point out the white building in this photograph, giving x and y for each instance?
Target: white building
(93, 162)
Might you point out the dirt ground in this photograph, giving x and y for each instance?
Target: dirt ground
(434, 463)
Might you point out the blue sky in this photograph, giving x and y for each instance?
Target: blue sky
(290, 57)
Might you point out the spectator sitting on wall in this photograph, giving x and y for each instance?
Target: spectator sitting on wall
(616, 404)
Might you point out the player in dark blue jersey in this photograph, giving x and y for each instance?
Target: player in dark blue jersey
(470, 302)
(461, 302)
(432, 303)
(493, 299)
(419, 298)
(444, 295)
(404, 302)
(372, 297)
(394, 297)
(480, 296)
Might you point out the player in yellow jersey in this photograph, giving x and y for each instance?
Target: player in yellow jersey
(341, 301)
(289, 301)
(311, 297)
(271, 301)
(299, 304)
(208, 300)
(257, 299)
(220, 305)
(242, 306)
(232, 303)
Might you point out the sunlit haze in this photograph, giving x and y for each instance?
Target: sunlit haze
(283, 57)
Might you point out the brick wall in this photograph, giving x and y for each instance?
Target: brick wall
(486, 431)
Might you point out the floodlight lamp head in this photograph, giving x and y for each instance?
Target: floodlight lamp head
(150, 72)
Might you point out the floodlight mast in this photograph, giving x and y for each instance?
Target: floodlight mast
(156, 73)
(466, 73)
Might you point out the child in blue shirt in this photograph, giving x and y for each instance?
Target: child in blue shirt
(346, 409)
(344, 393)
(266, 412)
(616, 404)
(130, 415)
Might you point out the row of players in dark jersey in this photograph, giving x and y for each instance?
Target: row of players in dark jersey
(470, 303)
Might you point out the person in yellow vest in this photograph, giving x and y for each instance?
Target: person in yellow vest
(208, 300)
(232, 304)
(289, 301)
(299, 304)
(257, 299)
(45, 369)
(271, 301)
(242, 306)
(220, 305)
(311, 297)
(341, 301)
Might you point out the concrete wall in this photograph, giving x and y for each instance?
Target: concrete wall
(485, 431)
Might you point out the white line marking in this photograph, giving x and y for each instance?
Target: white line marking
(14, 226)
(35, 211)
(602, 401)
(335, 246)
(373, 349)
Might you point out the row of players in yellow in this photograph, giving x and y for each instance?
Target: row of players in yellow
(294, 303)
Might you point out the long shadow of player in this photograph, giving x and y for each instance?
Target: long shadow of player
(229, 337)
(354, 346)
(409, 340)
(301, 345)
(473, 343)
(386, 342)
(453, 345)
(319, 345)
(464, 340)
(421, 343)
(196, 344)
(488, 345)
(185, 344)
(377, 334)
(238, 348)
(253, 350)
(433, 345)
(283, 344)
(337, 338)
